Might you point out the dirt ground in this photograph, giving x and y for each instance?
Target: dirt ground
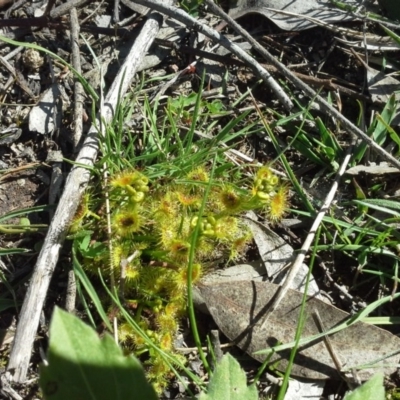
(30, 176)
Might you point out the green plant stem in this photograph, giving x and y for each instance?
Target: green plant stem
(192, 316)
(15, 229)
(261, 370)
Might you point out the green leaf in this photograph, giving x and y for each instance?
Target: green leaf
(393, 35)
(370, 390)
(328, 138)
(360, 195)
(8, 252)
(87, 284)
(81, 366)
(305, 147)
(23, 212)
(229, 383)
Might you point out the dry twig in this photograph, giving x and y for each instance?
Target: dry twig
(295, 267)
(78, 88)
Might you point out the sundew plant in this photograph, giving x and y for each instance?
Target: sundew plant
(152, 232)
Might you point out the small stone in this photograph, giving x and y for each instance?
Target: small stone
(32, 59)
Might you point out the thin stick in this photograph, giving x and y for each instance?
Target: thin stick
(78, 88)
(65, 7)
(295, 267)
(325, 106)
(332, 352)
(70, 298)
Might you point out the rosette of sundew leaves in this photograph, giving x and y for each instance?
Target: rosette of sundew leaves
(152, 236)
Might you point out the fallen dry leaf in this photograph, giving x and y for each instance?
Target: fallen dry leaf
(381, 86)
(373, 169)
(321, 9)
(277, 255)
(237, 305)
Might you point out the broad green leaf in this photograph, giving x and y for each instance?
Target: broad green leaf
(81, 366)
(384, 206)
(229, 383)
(371, 390)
